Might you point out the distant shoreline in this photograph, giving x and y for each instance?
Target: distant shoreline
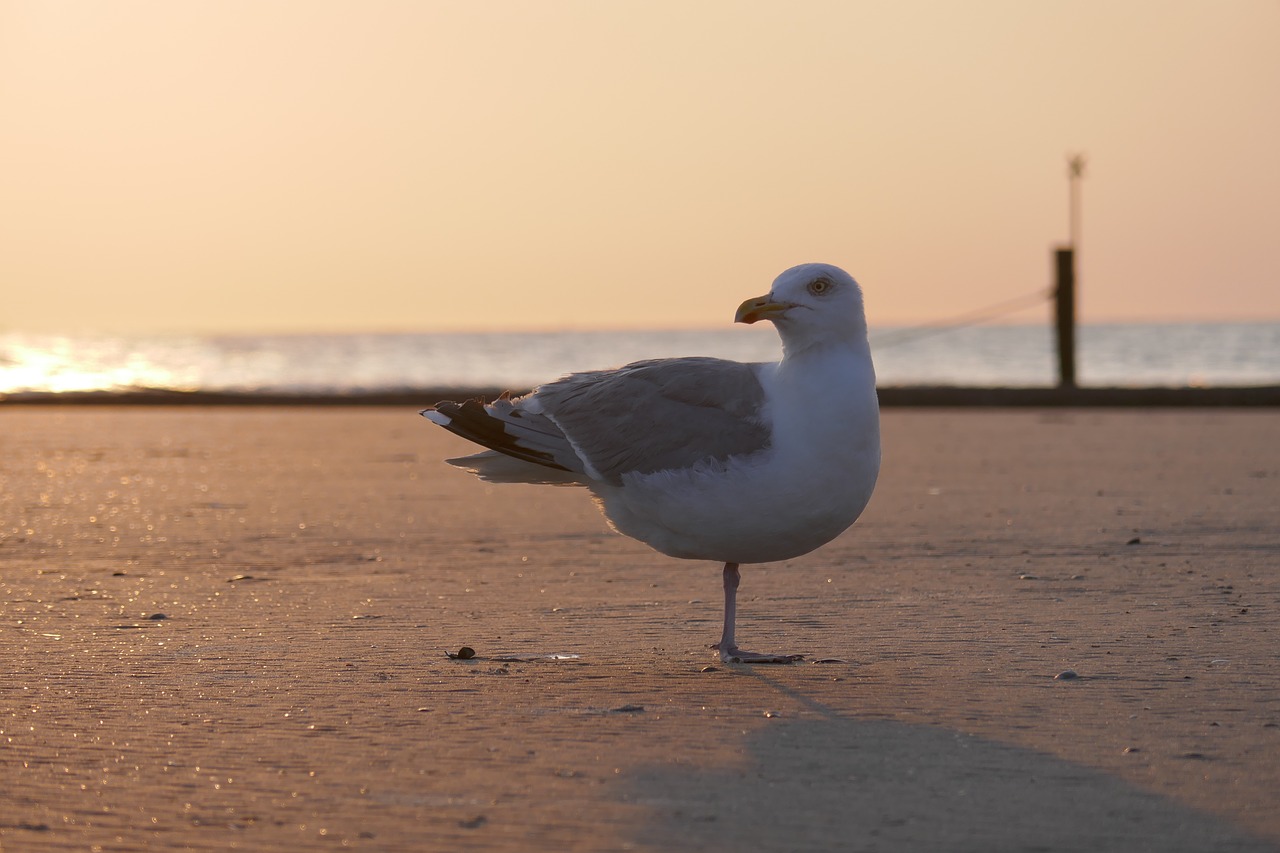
(890, 397)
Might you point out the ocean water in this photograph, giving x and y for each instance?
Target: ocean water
(1204, 354)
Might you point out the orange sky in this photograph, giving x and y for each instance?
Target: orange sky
(260, 165)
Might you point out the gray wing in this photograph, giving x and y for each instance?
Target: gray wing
(660, 414)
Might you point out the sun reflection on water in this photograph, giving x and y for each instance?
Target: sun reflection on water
(62, 364)
(1170, 355)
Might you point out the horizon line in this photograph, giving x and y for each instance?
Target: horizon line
(940, 326)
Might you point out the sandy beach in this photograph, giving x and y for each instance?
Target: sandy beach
(227, 629)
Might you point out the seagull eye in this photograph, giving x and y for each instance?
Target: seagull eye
(819, 286)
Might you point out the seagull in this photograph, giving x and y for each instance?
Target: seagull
(704, 458)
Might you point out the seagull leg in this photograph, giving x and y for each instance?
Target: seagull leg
(729, 651)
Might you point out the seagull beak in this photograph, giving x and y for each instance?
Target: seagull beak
(761, 308)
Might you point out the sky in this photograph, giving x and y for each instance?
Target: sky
(321, 166)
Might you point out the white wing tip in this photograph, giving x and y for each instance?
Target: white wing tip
(436, 417)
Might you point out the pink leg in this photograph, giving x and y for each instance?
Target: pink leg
(729, 651)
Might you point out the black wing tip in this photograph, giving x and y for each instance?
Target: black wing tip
(452, 408)
(472, 420)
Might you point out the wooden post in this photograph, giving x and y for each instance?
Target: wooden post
(1075, 173)
(1065, 300)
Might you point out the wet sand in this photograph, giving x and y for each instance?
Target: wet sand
(226, 628)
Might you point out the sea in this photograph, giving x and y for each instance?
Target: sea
(1110, 355)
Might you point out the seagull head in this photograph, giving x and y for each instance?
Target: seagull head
(810, 304)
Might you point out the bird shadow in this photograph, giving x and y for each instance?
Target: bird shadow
(839, 783)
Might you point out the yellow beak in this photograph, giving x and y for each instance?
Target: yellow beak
(760, 308)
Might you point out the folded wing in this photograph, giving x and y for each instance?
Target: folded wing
(644, 417)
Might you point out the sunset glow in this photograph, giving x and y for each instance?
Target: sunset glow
(339, 166)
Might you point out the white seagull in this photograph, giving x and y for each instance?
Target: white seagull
(708, 459)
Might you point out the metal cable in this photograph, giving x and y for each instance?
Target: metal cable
(972, 318)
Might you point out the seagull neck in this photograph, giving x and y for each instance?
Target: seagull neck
(798, 351)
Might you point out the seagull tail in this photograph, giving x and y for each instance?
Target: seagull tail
(494, 467)
(505, 427)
